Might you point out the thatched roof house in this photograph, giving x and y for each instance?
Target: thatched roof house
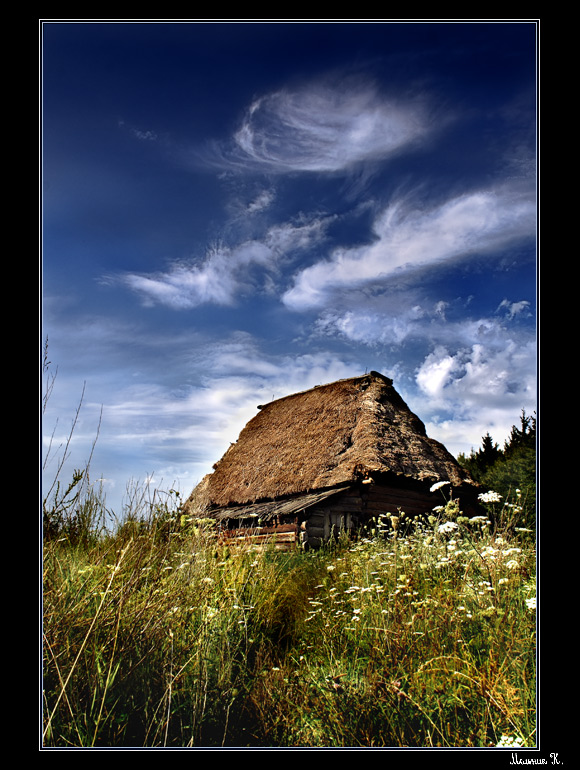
(333, 456)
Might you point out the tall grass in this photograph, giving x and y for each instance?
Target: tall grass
(422, 634)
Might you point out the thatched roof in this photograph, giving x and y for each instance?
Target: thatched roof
(321, 438)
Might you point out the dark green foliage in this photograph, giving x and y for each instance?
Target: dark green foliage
(523, 437)
(511, 471)
(478, 462)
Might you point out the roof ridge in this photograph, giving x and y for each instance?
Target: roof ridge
(367, 375)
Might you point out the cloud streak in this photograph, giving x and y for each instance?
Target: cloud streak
(227, 273)
(409, 239)
(323, 127)
(406, 239)
(218, 279)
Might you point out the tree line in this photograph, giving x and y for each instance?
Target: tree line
(509, 470)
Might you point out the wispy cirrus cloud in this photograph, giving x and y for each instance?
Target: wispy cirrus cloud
(322, 127)
(408, 238)
(218, 279)
(144, 135)
(227, 273)
(288, 237)
(261, 202)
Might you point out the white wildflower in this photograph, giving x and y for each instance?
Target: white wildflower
(479, 520)
(489, 497)
(489, 552)
(506, 741)
(531, 603)
(438, 485)
(447, 527)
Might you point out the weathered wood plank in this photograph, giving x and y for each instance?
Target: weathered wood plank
(382, 493)
(355, 507)
(282, 537)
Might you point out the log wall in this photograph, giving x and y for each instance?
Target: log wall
(344, 511)
(347, 511)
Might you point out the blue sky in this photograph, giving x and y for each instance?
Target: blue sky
(235, 211)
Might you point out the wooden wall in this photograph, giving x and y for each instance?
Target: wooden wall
(359, 505)
(346, 510)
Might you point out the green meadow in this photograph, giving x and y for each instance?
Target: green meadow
(419, 633)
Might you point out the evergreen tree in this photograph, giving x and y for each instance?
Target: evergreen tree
(511, 471)
(524, 436)
(479, 462)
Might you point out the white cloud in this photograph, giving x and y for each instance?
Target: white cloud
(480, 377)
(323, 127)
(261, 202)
(218, 279)
(483, 388)
(272, 376)
(289, 236)
(226, 273)
(409, 239)
(396, 319)
(514, 309)
(436, 373)
(371, 325)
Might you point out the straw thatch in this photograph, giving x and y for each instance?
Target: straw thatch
(328, 437)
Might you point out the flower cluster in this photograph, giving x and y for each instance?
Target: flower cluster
(438, 485)
(507, 742)
(489, 497)
(447, 527)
